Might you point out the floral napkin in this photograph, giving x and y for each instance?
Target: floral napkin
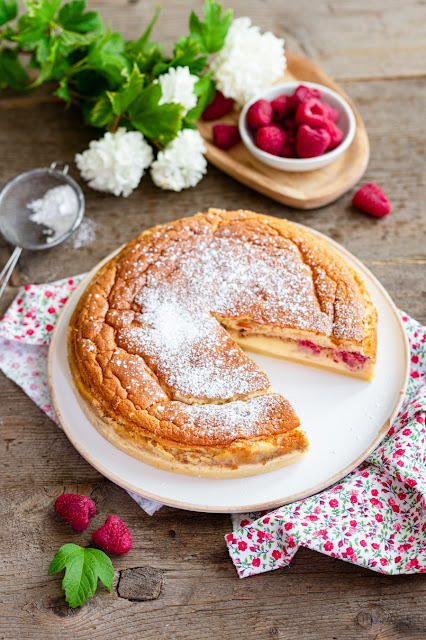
(374, 517)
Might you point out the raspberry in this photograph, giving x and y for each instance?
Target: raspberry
(282, 105)
(225, 135)
(76, 510)
(336, 134)
(371, 199)
(303, 93)
(311, 142)
(260, 114)
(113, 536)
(333, 114)
(218, 108)
(311, 112)
(288, 150)
(270, 139)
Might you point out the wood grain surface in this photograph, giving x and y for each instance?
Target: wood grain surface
(376, 50)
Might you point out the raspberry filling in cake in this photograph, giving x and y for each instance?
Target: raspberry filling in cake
(306, 351)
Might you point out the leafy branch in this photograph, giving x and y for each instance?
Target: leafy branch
(112, 80)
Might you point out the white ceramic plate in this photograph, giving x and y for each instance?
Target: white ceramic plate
(344, 418)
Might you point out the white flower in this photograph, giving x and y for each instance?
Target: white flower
(248, 62)
(182, 163)
(177, 85)
(116, 162)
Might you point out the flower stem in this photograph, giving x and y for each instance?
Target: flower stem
(115, 123)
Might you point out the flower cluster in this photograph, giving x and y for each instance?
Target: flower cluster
(115, 163)
(248, 62)
(177, 86)
(182, 163)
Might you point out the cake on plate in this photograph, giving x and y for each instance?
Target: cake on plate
(156, 341)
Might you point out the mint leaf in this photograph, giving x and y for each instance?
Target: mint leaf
(205, 89)
(72, 18)
(210, 34)
(121, 100)
(82, 567)
(158, 122)
(12, 73)
(140, 45)
(8, 11)
(106, 55)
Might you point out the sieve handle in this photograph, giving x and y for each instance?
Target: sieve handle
(8, 269)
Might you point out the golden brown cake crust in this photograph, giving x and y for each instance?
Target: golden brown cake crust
(151, 357)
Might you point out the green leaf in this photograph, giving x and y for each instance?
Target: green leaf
(102, 113)
(82, 567)
(185, 55)
(47, 62)
(106, 55)
(42, 10)
(158, 122)
(210, 34)
(205, 89)
(63, 91)
(12, 73)
(70, 40)
(8, 11)
(121, 100)
(148, 60)
(140, 45)
(73, 18)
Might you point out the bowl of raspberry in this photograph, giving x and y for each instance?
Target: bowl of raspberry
(297, 127)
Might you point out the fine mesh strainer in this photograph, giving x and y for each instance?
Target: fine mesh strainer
(15, 224)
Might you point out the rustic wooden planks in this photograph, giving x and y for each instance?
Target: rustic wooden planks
(376, 49)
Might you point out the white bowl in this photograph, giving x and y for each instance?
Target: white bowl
(346, 123)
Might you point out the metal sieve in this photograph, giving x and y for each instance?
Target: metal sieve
(15, 224)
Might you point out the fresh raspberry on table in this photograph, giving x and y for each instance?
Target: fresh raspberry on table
(303, 93)
(336, 134)
(76, 510)
(282, 106)
(271, 139)
(371, 199)
(311, 142)
(219, 107)
(311, 112)
(113, 536)
(260, 114)
(226, 135)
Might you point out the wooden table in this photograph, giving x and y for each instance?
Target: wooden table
(376, 49)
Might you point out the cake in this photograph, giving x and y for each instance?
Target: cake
(155, 341)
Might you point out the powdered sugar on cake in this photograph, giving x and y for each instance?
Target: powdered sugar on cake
(176, 331)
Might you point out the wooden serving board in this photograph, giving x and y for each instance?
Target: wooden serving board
(304, 190)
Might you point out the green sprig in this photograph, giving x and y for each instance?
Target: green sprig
(113, 81)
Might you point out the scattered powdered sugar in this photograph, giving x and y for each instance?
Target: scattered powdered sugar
(85, 234)
(56, 210)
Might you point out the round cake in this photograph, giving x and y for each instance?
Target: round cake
(155, 340)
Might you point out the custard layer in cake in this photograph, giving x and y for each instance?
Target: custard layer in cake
(153, 342)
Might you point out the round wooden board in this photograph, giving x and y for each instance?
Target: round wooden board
(345, 419)
(307, 190)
